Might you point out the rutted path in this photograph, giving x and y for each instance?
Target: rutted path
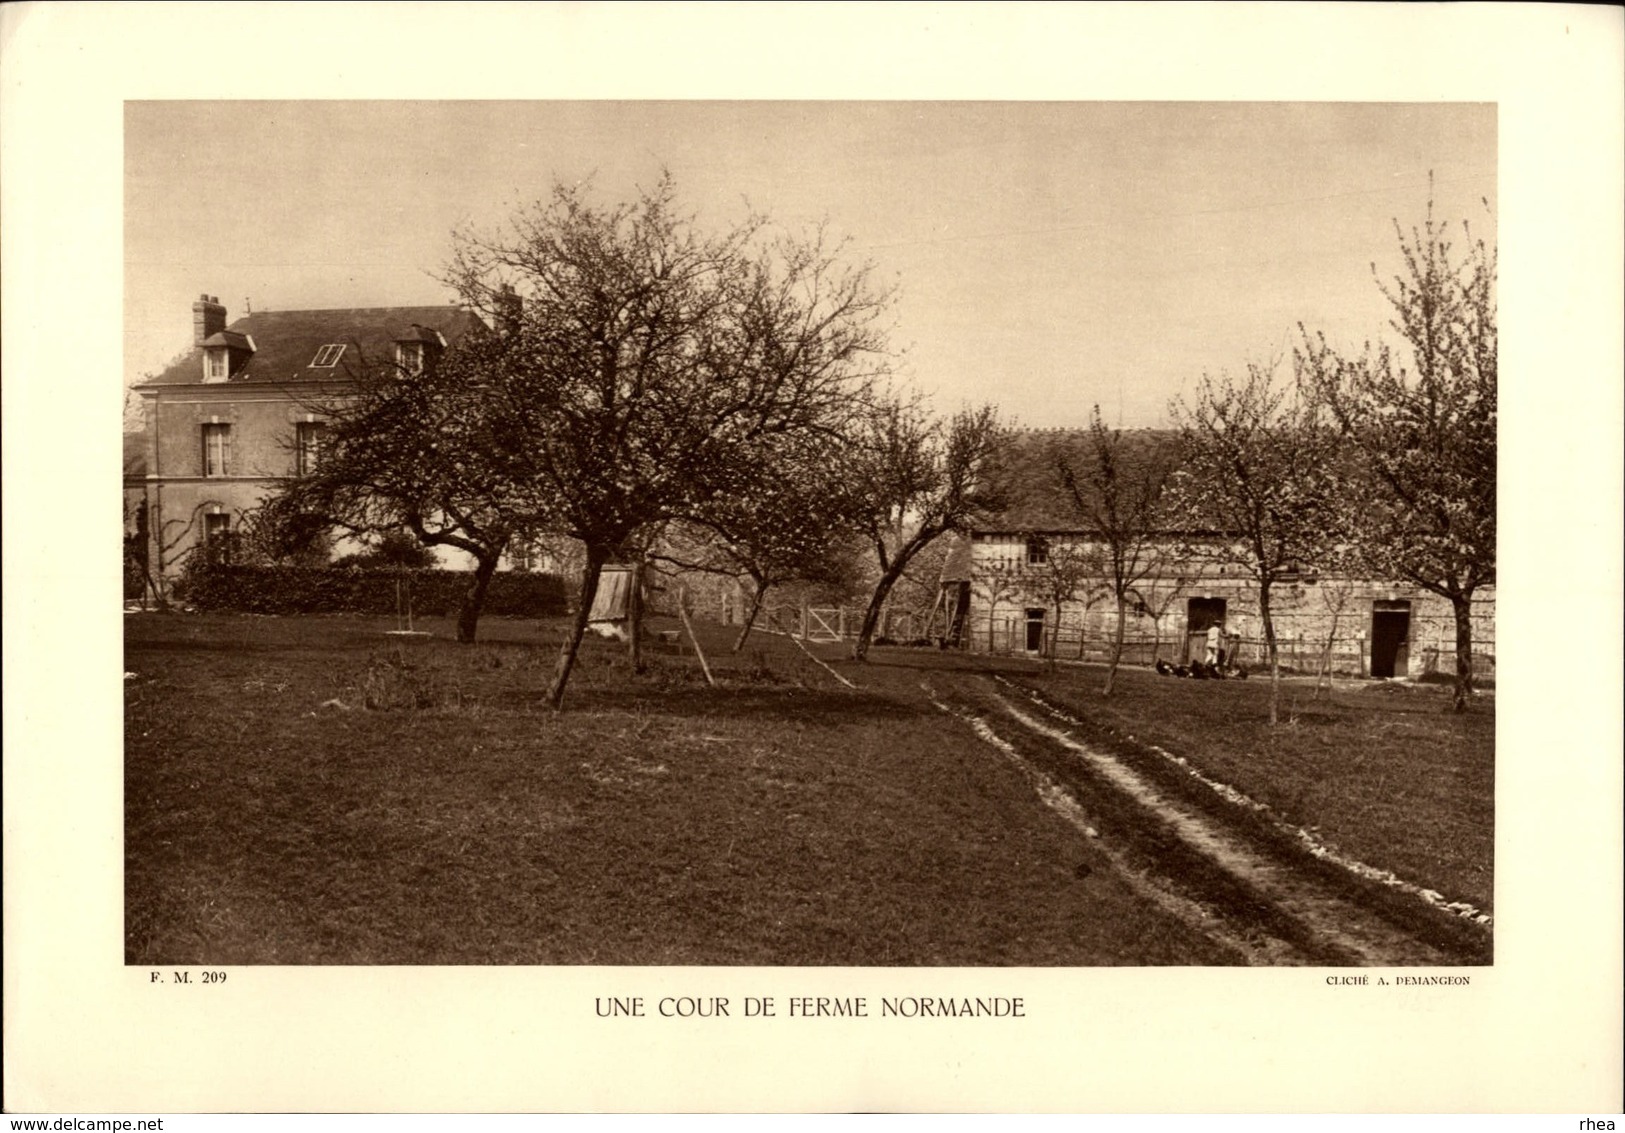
(1221, 866)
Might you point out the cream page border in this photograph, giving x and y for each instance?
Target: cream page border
(1540, 1030)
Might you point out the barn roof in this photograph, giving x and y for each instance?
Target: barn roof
(959, 563)
(1028, 472)
(289, 343)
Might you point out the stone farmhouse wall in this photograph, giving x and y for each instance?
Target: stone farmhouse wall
(1318, 619)
(222, 420)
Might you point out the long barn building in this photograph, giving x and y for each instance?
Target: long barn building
(1001, 579)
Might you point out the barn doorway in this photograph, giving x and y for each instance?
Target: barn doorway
(1390, 638)
(1201, 614)
(1035, 629)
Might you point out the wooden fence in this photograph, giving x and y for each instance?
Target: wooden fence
(839, 623)
(1348, 653)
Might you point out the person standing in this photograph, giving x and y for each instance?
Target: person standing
(1215, 639)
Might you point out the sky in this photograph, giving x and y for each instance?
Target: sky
(1049, 256)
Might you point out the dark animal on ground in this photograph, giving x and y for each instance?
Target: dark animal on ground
(1202, 671)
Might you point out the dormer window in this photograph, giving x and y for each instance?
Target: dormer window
(327, 357)
(225, 353)
(417, 349)
(409, 357)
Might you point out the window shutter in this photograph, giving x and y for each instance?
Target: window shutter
(225, 450)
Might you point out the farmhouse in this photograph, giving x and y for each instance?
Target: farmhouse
(1001, 581)
(241, 411)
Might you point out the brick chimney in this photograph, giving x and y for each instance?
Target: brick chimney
(208, 317)
(510, 308)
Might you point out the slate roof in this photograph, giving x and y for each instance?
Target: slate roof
(230, 338)
(287, 341)
(1037, 501)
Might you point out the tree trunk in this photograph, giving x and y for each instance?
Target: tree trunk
(468, 613)
(1274, 655)
(572, 641)
(634, 618)
(871, 616)
(1326, 656)
(1117, 648)
(750, 615)
(1463, 607)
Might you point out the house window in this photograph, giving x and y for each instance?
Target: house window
(216, 449)
(409, 356)
(308, 437)
(217, 537)
(215, 366)
(1037, 551)
(328, 356)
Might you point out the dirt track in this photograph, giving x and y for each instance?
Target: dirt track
(1207, 853)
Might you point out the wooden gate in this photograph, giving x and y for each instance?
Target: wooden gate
(828, 624)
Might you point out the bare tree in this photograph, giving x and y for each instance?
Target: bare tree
(916, 592)
(1154, 598)
(790, 518)
(1258, 475)
(405, 450)
(274, 535)
(1057, 572)
(1425, 434)
(998, 583)
(1335, 593)
(649, 360)
(922, 479)
(1118, 495)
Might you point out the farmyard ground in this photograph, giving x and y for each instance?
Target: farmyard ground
(311, 790)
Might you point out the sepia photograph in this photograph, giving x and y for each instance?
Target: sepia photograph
(811, 558)
(837, 533)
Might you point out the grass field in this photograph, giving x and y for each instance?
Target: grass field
(311, 790)
(1385, 771)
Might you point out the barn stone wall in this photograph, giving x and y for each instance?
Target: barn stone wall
(1317, 618)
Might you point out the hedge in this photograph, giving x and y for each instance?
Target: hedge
(352, 590)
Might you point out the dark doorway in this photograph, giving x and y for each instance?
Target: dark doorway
(1390, 638)
(1201, 614)
(1035, 630)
